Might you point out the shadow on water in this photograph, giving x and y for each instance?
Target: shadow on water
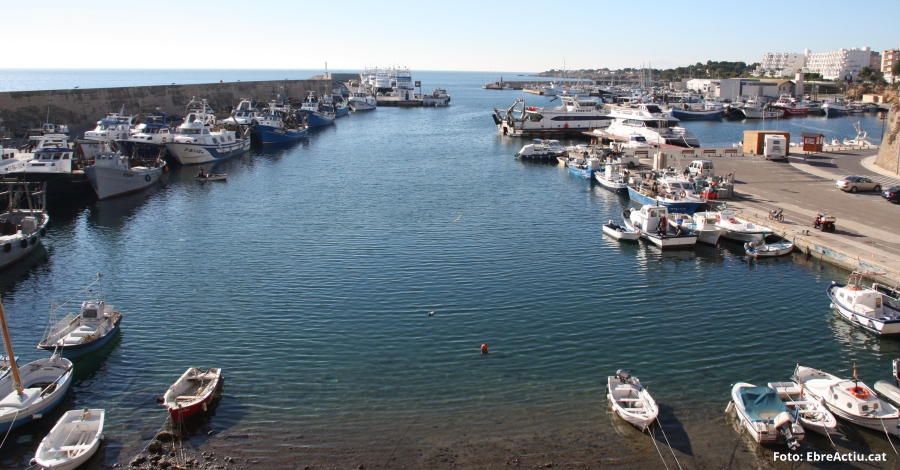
(87, 366)
(22, 270)
(115, 213)
(673, 432)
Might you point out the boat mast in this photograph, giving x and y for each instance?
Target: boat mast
(14, 368)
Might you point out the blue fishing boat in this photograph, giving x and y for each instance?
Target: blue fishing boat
(75, 336)
(277, 125)
(582, 167)
(315, 117)
(149, 140)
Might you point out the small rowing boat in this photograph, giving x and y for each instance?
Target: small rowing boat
(620, 232)
(212, 177)
(72, 441)
(192, 392)
(631, 401)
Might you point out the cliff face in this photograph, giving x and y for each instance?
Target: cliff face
(80, 109)
(889, 153)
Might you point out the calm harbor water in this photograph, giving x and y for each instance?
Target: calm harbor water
(308, 275)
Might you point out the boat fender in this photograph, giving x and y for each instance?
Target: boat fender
(859, 392)
(33, 241)
(682, 194)
(24, 243)
(732, 220)
(717, 218)
(7, 247)
(147, 178)
(567, 125)
(43, 232)
(203, 405)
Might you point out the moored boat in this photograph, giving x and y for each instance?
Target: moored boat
(315, 117)
(542, 149)
(192, 392)
(75, 336)
(582, 167)
(875, 309)
(675, 193)
(73, 440)
(112, 128)
(765, 416)
(850, 400)
(738, 229)
(813, 415)
(438, 97)
(148, 139)
(276, 126)
(790, 106)
(611, 178)
(653, 224)
(768, 250)
(56, 163)
(621, 232)
(24, 223)
(700, 223)
(631, 401)
(362, 101)
(114, 174)
(199, 142)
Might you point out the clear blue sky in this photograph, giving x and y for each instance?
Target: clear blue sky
(524, 35)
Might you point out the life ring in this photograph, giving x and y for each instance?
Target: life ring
(732, 220)
(148, 178)
(859, 392)
(7, 247)
(682, 194)
(24, 243)
(717, 218)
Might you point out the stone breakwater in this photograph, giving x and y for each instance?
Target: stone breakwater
(80, 109)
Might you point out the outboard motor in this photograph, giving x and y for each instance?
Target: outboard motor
(623, 374)
(784, 425)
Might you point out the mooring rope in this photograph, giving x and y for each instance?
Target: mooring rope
(10, 427)
(166, 422)
(653, 439)
(401, 440)
(888, 435)
(667, 443)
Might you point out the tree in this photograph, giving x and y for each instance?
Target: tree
(865, 73)
(895, 70)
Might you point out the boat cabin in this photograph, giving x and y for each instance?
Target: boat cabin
(858, 299)
(50, 160)
(93, 310)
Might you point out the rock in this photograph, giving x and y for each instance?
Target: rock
(165, 436)
(548, 465)
(156, 458)
(138, 461)
(155, 446)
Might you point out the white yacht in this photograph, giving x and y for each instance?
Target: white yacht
(115, 126)
(572, 115)
(198, 141)
(652, 122)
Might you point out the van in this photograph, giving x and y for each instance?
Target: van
(775, 147)
(702, 168)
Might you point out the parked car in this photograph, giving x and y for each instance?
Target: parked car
(892, 194)
(858, 183)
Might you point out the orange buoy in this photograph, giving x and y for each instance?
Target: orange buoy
(484, 349)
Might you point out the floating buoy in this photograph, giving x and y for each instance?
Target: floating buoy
(203, 405)
(431, 313)
(484, 349)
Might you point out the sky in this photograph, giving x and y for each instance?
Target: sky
(492, 36)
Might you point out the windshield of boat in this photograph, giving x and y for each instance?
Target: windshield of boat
(652, 108)
(191, 131)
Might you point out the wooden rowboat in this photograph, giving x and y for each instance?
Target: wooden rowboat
(192, 392)
(631, 401)
(216, 177)
(72, 441)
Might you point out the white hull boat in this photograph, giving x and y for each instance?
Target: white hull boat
(768, 250)
(44, 383)
(652, 222)
(631, 401)
(875, 309)
(114, 175)
(739, 230)
(704, 225)
(813, 415)
(620, 232)
(73, 440)
(752, 112)
(93, 327)
(199, 142)
(850, 400)
(21, 227)
(765, 416)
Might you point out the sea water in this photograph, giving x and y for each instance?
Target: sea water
(308, 277)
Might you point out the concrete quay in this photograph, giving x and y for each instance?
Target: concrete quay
(867, 235)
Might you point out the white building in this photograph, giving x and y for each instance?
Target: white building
(702, 85)
(780, 64)
(840, 63)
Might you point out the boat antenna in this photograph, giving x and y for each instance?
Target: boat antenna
(13, 367)
(100, 280)
(855, 377)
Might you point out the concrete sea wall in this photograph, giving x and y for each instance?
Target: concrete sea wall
(80, 109)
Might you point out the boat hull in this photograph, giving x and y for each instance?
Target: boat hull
(579, 172)
(52, 454)
(771, 250)
(109, 183)
(71, 352)
(618, 188)
(180, 413)
(632, 235)
(16, 247)
(277, 135)
(319, 119)
(195, 154)
(142, 150)
(697, 115)
(743, 237)
(53, 369)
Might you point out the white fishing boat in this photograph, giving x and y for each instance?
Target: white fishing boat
(768, 250)
(192, 392)
(12, 160)
(652, 222)
(30, 391)
(244, 114)
(620, 232)
(115, 126)
(765, 416)
(890, 391)
(56, 163)
(850, 400)
(758, 112)
(114, 174)
(24, 223)
(437, 97)
(198, 141)
(542, 149)
(612, 178)
(148, 138)
(875, 309)
(813, 415)
(73, 440)
(630, 400)
(650, 121)
(76, 335)
(362, 101)
(738, 229)
(701, 223)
